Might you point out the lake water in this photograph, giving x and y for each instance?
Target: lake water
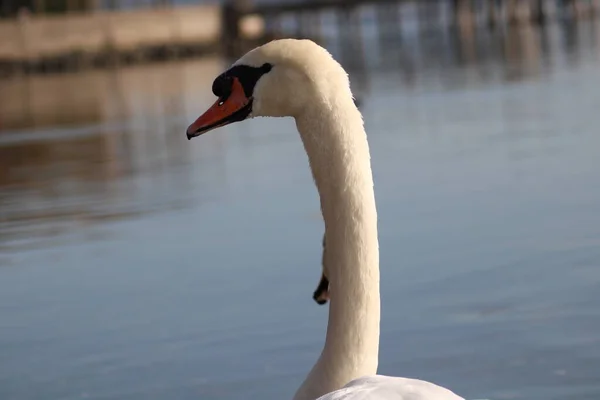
(137, 265)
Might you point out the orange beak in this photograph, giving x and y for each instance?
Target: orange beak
(233, 108)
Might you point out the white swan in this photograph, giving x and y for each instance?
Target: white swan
(300, 79)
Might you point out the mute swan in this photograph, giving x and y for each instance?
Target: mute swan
(299, 79)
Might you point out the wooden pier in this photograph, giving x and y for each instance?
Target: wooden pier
(35, 41)
(40, 42)
(493, 12)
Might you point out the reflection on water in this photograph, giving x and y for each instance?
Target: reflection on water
(137, 265)
(62, 174)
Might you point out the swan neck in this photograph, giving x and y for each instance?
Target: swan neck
(338, 152)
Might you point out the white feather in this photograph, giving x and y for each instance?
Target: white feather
(381, 387)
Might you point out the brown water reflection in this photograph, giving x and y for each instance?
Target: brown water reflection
(148, 92)
(70, 143)
(94, 96)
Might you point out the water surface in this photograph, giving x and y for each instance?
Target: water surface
(137, 265)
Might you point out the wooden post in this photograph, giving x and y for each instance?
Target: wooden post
(463, 8)
(314, 24)
(38, 7)
(539, 13)
(272, 25)
(230, 25)
(593, 8)
(492, 14)
(455, 10)
(511, 11)
(23, 18)
(567, 8)
(298, 24)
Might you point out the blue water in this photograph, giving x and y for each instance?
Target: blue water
(137, 265)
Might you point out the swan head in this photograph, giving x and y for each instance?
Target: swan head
(279, 79)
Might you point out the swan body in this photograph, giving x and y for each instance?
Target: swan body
(388, 387)
(299, 79)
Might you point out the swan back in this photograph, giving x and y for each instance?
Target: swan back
(380, 387)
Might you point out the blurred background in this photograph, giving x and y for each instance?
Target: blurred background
(137, 265)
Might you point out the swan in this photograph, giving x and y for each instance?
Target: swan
(300, 79)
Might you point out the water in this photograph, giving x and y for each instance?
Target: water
(138, 265)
